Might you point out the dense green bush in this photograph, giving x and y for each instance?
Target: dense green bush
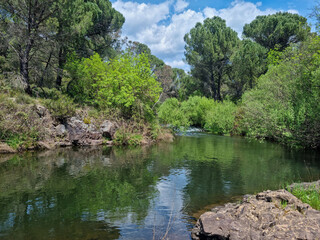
(216, 117)
(61, 107)
(220, 118)
(285, 104)
(196, 109)
(84, 75)
(126, 83)
(170, 113)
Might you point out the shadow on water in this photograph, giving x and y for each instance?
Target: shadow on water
(138, 193)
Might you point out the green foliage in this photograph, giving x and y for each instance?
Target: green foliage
(309, 195)
(170, 113)
(61, 107)
(85, 74)
(316, 15)
(127, 136)
(284, 105)
(248, 63)
(220, 118)
(216, 117)
(208, 50)
(129, 85)
(277, 30)
(196, 108)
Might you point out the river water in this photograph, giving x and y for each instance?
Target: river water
(138, 193)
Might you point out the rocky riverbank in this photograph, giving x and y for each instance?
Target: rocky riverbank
(267, 215)
(33, 126)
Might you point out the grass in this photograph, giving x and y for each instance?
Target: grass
(310, 196)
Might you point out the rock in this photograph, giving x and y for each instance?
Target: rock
(64, 144)
(45, 145)
(268, 215)
(108, 129)
(60, 130)
(5, 148)
(79, 133)
(41, 110)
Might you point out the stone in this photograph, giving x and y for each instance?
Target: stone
(5, 148)
(60, 130)
(268, 215)
(79, 133)
(41, 110)
(45, 145)
(108, 129)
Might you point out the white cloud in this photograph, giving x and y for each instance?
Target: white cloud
(141, 16)
(180, 5)
(163, 32)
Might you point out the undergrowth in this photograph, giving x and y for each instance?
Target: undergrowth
(309, 195)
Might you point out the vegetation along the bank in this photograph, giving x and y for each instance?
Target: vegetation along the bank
(68, 57)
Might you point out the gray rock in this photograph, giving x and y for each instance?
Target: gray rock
(45, 145)
(108, 129)
(268, 215)
(41, 110)
(79, 133)
(60, 130)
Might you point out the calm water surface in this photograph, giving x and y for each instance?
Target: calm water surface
(141, 193)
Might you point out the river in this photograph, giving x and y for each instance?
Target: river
(138, 193)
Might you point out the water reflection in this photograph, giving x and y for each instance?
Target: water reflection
(140, 193)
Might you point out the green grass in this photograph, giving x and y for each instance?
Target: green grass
(310, 196)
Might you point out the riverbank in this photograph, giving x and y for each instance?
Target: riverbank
(266, 215)
(28, 123)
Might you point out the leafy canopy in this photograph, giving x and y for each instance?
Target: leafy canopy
(278, 29)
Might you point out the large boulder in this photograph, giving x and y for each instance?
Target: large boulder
(268, 215)
(83, 134)
(108, 129)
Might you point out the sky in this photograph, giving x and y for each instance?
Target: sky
(162, 24)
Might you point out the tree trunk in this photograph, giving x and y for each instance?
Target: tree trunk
(219, 98)
(61, 62)
(24, 71)
(213, 84)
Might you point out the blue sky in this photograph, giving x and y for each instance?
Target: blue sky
(161, 24)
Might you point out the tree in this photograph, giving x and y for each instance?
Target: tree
(43, 32)
(284, 106)
(86, 27)
(278, 29)
(316, 15)
(137, 48)
(208, 50)
(27, 26)
(248, 63)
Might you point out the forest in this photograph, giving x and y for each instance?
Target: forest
(70, 56)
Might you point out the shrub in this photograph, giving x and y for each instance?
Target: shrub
(61, 108)
(309, 195)
(126, 83)
(196, 109)
(285, 104)
(220, 118)
(129, 85)
(215, 117)
(170, 113)
(84, 75)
